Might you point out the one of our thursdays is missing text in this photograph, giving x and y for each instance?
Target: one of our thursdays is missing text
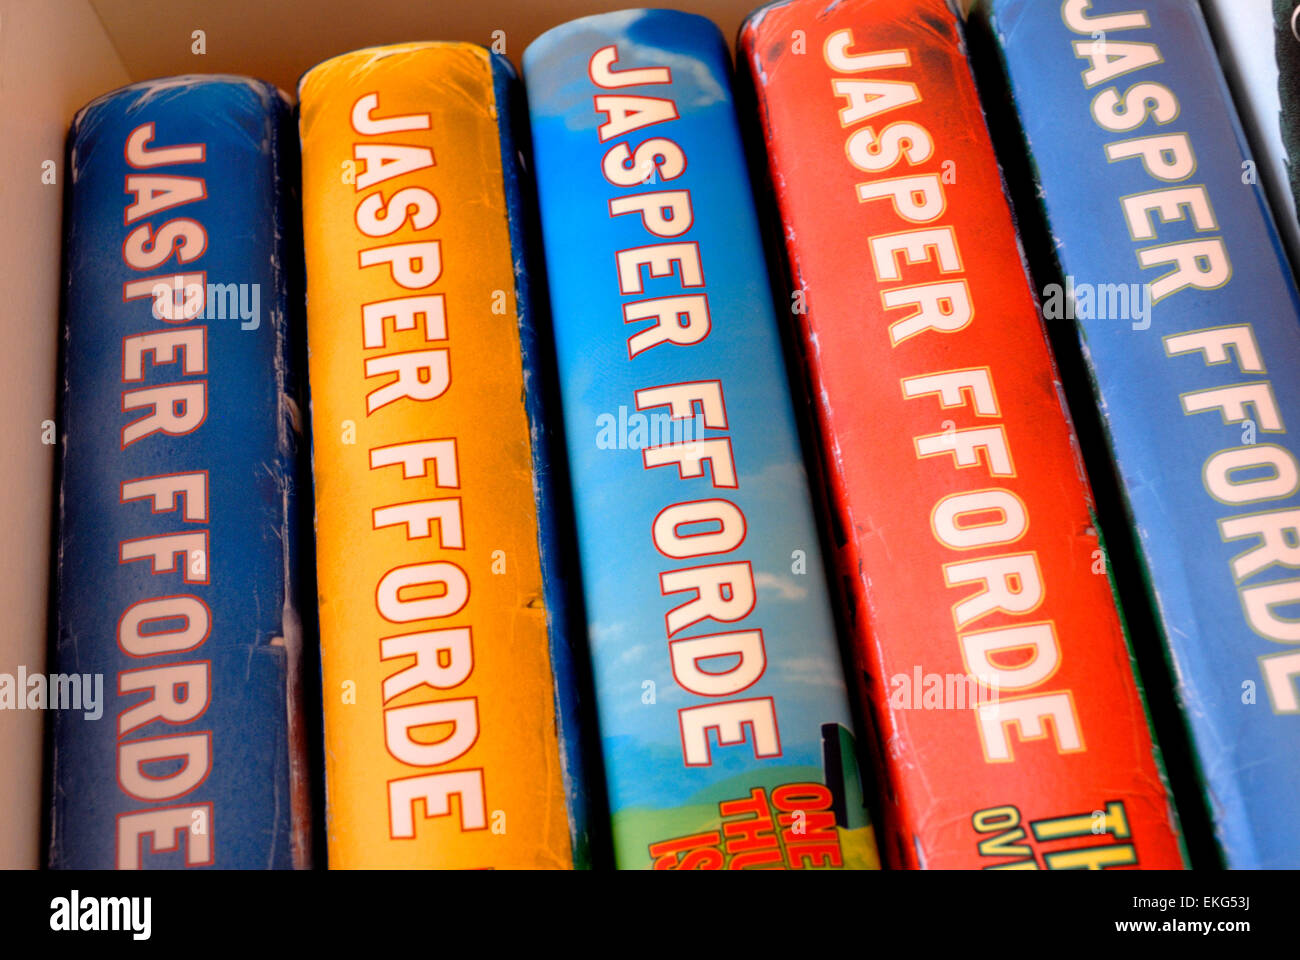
(21, 690)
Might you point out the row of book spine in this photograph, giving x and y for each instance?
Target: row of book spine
(590, 583)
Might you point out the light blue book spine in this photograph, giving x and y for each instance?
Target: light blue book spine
(722, 703)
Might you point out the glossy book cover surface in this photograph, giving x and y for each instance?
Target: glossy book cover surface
(985, 628)
(722, 705)
(177, 551)
(1190, 326)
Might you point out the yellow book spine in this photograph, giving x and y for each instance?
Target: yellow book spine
(440, 719)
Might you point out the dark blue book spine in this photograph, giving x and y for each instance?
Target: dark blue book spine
(176, 615)
(1173, 272)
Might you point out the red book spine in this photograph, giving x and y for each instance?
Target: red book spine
(1013, 731)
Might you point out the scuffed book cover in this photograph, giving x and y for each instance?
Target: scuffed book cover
(1187, 312)
(723, 709)
(983, 620)
(449, 692)
(179, 442)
